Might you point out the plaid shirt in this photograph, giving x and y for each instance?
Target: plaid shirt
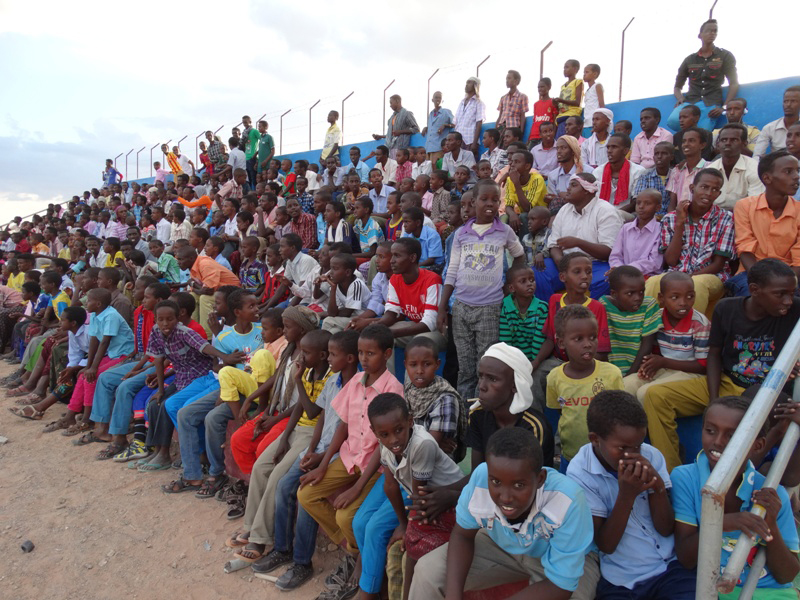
(498, 158)
(650, 179)
(512, 109)
(215, 152)
(306, 228)
(306, 201)
(183, 348)
(468, 113)
(702, 240)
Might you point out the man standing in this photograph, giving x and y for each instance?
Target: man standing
(470, 115)
(440, 123)
(333, 137)
(183, 161)
(513, 105)
(266, 147)
(399, 128)
(773, 136)
(739, 172)
(110, 174)
(172, 162)
(251, 140)
(645, 142)
(215, 152)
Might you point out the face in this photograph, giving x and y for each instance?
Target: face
(572, 127)
(155, 250)
(576, 195)
(709, 33)
(719, 425)
(578, 275)
(148, 299)
(355, 155)
(134, 236)
(692, 144)
(421, 365)
(687, 118)
(375, 178)
(330, 214)
(784, 176)
(166, 320)
(249, 310)
(338, 272)
(793, 139)
(616, 150)
(600, 122)
(508, 137)
(371, 357)
(292, 331)
(776, 297)
(647, 206)
(487, 203)
(104, 282)
(547, 132)
(513, 485)
(393, 430)
(93, 305)
(705, 191)
(537, 221)
(452, 143)
(524, 284)
(394, 104)
(484, 170)
(630, 294)
(579, 341)
(622, 440)
(454, 214)
(730, 143)
(791, 104)
(186, 260)
(293, 208)
(563, 151)
(301, 185)
(392, 206)
(410, 225)
(360, 211)
(589, 74)
(662, 156)
(734, 110)
(422, 156)
(678, 298)
(407, 185)
(461, 176)
(496, 387)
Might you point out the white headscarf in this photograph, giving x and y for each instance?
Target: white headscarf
(592, 141)
(523, 378)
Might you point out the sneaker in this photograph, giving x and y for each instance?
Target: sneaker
(270, 562)
(342, 574)
(136, 450)
(294, 577)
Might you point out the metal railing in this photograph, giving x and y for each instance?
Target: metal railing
(710, 580)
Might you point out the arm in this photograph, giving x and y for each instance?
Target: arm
(601, 102)
(392, 490)
(283, 443)
(317, 474)
(672, 255)
(90, 373)
(715, 266)
(714, 371)
(687, 540)
(460, 553)
(645, 348)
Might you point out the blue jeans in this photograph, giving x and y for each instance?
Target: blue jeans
(216, 427)
(373, 527)
(676, 583)
(738, 285)
(548, 283)
(190, 423)
(705, 121)
(304, 528)
(113, 391)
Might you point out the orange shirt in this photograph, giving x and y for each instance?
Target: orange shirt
(759, 232)
(201, 201)
(212, 274)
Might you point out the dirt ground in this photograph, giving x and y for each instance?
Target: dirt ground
(101, 530)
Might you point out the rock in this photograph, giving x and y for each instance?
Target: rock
(88, 566)
(102, 563)
(111, 553)
(182, 556)
(332, 547)
(3, 440)
(207, 546)
(174, 565)
(27, 546)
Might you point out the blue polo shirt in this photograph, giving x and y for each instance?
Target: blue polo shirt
(433, 139)
(110, 322)
(688, 480)
(642, 552)
(431, 243)
(229, 340)
(558, 529)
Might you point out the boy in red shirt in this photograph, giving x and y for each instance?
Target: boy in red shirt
(544, 110)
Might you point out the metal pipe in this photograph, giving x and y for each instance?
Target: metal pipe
(711, 12)
(164, 156)
(126, 163)
(137, 162)
(384, 102)
(708, 563)
(218, 128)
(115, 159)
(541, 59)
(281, 141)
(309, 122)
(342, 115)
(151, 158)
(197, 147)
(622, 57)
(478, 68)
(428, 102)
(749, 587)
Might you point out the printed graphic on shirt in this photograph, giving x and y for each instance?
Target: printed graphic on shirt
(756, 356)
(597, 387)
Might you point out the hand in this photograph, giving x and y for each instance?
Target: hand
(375, 136)
(538, 261)
(311, 460)
(151, 380)
(398, 536)
(513, 219)
(749, 524)
(568, 242)
(299, 369)
(513, 175)
(207, 291)
(157, 397)
(431, 502)
(448, 445)
(634, 476)
(424, 131)
(715, 112)
(788, 411)
(264, 424)
(440, 130)
(650, 365)
(346, 498)
(313, 477)
(213, 318)
(795, 371)
(473, 147)
(131, 373)
(280, 452)
(769, 499)
(234, 357)
(682, 213)
(90, 374)
(679, 100)
(441, 322)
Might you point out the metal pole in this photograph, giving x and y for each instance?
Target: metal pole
(342, 115)
(196, 147)
(622, 57)
(164, 156)
(428, 105)
(750, 585)
(178, 144)
(116, 157)
(541, 59)
(281, 142)
(711, 12)
(478, 68)
(151, 158)
(218, 128)
(384, 103)
(137, 162)
(309, 122)
(126, 164)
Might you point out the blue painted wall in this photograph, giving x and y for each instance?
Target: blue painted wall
(763, 101)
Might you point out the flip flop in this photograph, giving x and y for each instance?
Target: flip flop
(149, 468)
(54, 426)
(256, 555)
(180, 485)
(18, 392)
(31, 415)
(87, 438)
(237, 540)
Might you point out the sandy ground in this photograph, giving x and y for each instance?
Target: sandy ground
(102, 530)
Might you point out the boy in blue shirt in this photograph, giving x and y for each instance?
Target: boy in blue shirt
(627, 489)
(776, 532)
(432, 252)
(515, 520)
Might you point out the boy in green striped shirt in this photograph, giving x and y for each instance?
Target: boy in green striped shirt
(522, 315)
(633, 319)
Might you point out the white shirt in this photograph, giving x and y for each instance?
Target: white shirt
(98, 261)
(426, 168)
(636, 173)
(78, 347)
(313, 180)
(387, 171)
(183, 161)
(237, 160)
(465, 158)
(356, 298)
(163, 231)
(230, 227)
(599, 223)
(592, 148)
(772, 137)
(301, 269)
(743, 182)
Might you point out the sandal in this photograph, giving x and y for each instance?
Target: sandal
(248, 554)
(237, 540)
(237, 507)
(110, 451)
(54, 426)
(18, 391)
(211, 486)
(86, 438)
(147, 467)
(75, 429)
(27, 412)
(180, 485)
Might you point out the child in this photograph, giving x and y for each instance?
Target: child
(627, 489)
(594, 98)
(747, 334)
(522, 315)
(454, 220)
(114, 256)
(476, 270)
(682, 341)
(776, 530)
(109, 279)
(394, 220)
(365, 228)
(633, 319)
(338, 229)
(213, 249)
(356, 444)
(544, 111)
(637, 242)
(441, 197)
(571, 386)
(422, 186)
(483, 169)
(272, 276)
(252, 273)
(380, 288)
(272, 333)
(460, 182)
(569, 100)
(535, 241)
(348, 295)
(422, 166)
(519, 537)
(432, 251)
(168, 269)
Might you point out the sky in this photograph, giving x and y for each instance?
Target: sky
(96, 79)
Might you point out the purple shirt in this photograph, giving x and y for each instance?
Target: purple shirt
(183, 348)
(638, 247)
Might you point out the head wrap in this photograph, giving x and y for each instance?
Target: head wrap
(477, 83)
(119, 208)
(576, 151)
(588, 186)
(591, 154)
(608, 114)
(305, 317)
(523, 378)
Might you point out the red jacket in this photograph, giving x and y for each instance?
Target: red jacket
(147, 327)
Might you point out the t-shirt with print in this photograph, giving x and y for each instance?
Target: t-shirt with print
(598, 310)
(231, 340)
(626, 330)
(417, 302)
(482, 425)
(749, 348)
(573, 396)
(313, 389)
(355, 298)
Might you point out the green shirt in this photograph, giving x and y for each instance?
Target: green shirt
(626, 330)
(525, 333)
(168, 266)
(252, 143)
(265, 147)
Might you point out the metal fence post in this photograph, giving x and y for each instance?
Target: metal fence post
(309, 122)
(541, 59)
(281, 142)
(342, 115)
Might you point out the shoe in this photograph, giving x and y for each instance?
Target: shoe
(231, 490)
(343, 592)
(237, 507)
(294, 577)
(342, 574)
(136, 450)
(270, 562)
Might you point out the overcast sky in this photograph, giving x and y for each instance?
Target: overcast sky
(81, 82)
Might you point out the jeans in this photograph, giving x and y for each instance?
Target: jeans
(113, 397)
(705, 121)
(676, 583)
(216, 426)
(188, 409)
(304, 528)
(373, 526)
(738, 285)
(251, 170)
(548, 283)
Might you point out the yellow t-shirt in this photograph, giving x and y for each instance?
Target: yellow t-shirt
(534, 190)
(313, 389)
(16, 281)
(568, 92)
(112, 261)
(573, 396)
(64, 253)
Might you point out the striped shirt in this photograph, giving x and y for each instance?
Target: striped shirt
(626, 330)
(355, 298)
(687, 340)
(525, 333)
(368, 234)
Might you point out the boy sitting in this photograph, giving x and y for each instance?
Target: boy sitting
(535, 241)
(638, 241)
(348, 295)
(627, 489)
(523, 315)
(505, 530)
(432, 251)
